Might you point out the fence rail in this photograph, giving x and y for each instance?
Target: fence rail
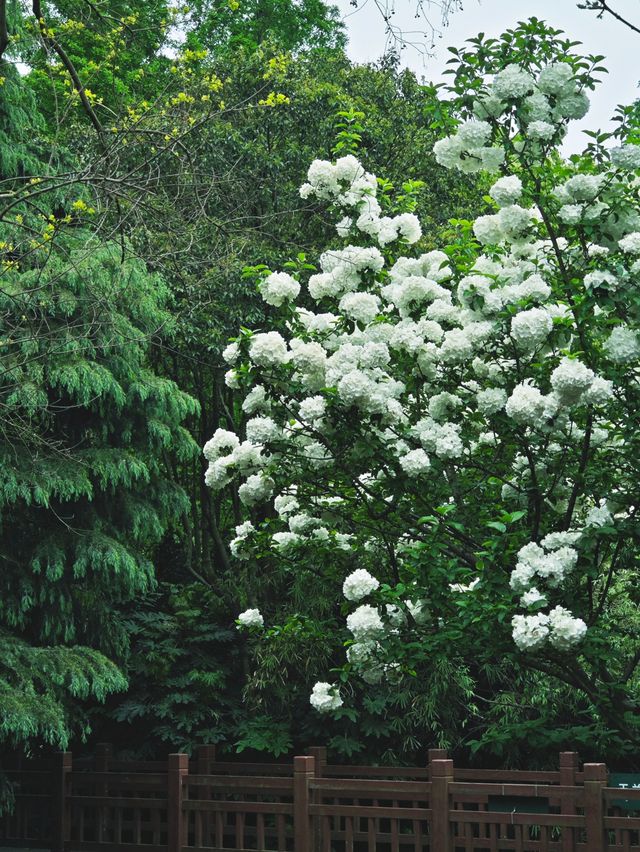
(308, 805)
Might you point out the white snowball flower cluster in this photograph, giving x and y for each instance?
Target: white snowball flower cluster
(550, 564)
(531, 328)
(623, 345)
(268, 349)
(491, 400)
(325, 697)
(570, 379)
(599, 516)
(541, 130)
(559, 627)
(442, 439)
(256, 489)
(227, 455)
(342, 271)
(250, 618)
(352, 188)
(512, 82)
(510, 222)
(506, 191)
(231, 353)
(546, 104)
(238, 545)
(526, 403)
(532, 597)
(626, 157)
(565, 631)
(600, 278)
(530, 631)
(467, 149)
(279, 287)
(631, 243)
(363, 307)
(262, 430)
(359, 584)
(415, 462)
(365, 623)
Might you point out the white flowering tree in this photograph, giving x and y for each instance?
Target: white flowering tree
(449, 438)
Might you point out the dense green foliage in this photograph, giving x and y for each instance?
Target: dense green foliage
(140, 173)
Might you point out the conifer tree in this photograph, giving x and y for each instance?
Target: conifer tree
(86, 432)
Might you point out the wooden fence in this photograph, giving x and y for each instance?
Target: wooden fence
(309, 805)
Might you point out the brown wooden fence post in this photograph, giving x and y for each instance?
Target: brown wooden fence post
(178, 770)
(319, 753)
(63, 764)
(568, 769)
(595, 778)
(435, 754)
(104, 753)
(205, 758)
(303, 773)
(440, 828)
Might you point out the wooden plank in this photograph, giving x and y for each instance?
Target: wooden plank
(613, 822)
(516, 776)
(485, 817)
(253, 784)
(118, 801)
(367, 811)
(96, 846)
(366, 788)
(530, 790)
(138, 765)
(390, 772)
(122, 779)
(222, 767)
(204, 805)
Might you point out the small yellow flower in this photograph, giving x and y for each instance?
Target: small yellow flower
(274, 99)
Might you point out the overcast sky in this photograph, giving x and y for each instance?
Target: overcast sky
(618, 43)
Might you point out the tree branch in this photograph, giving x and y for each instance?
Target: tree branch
(601, 6)
(49, 40)
(4, 32)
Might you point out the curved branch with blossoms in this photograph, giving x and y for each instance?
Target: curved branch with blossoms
(449, 436)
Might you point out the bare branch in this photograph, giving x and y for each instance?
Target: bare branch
(602, 6)
(4, 32)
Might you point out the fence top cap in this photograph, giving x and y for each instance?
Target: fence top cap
(304, 763)
(595, 771)
(179, 760)
(441, 767)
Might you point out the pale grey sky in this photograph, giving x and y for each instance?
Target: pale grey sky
(618, 43)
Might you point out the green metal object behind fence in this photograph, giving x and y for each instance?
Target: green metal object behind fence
(626, 781)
